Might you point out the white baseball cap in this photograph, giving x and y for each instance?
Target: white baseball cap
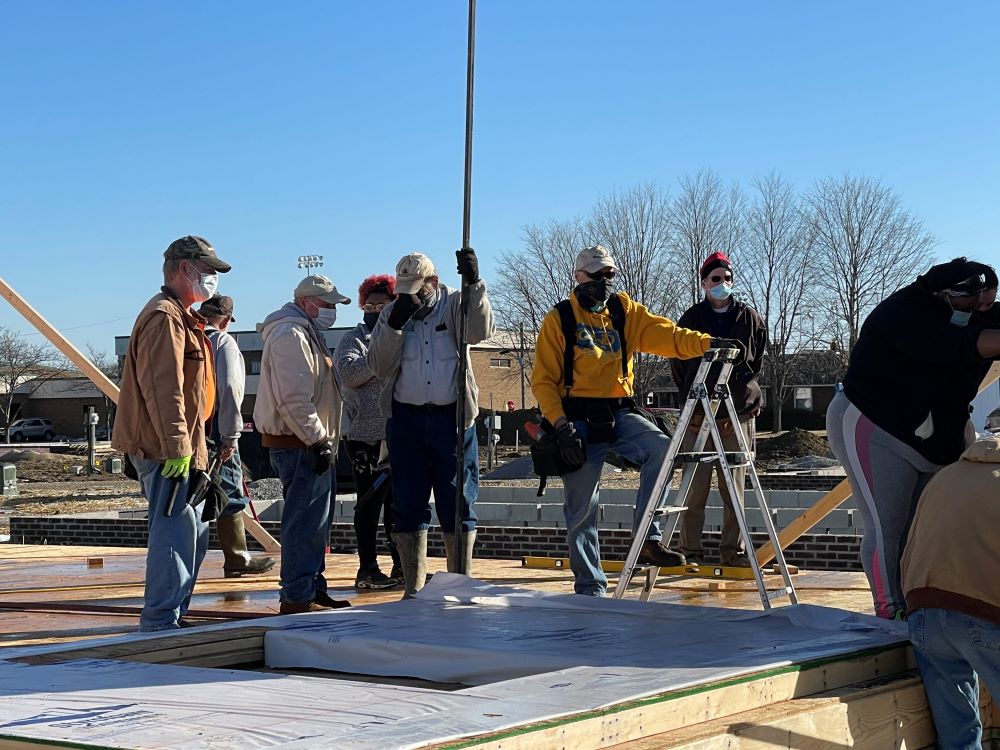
(593, 259)
(411, 271)
(322, 287)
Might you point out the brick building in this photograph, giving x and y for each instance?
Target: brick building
(63, 400)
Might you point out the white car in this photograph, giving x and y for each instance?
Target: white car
(22, 430)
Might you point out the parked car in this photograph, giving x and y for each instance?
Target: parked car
(23, 430)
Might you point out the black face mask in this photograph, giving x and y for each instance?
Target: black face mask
(370, 319)
(593, 295)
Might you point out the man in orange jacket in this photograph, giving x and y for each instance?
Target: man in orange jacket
(598, 413)
(167, 396)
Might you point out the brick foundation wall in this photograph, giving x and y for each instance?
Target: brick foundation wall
(813, 551)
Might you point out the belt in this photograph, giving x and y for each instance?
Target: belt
(430, 408)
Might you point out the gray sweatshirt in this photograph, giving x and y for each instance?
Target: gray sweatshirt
(359, 386)
(230, 383)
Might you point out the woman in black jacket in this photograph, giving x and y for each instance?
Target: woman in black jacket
(904, 409)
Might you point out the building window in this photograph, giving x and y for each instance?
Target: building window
(803, 399)
(254, 367)
(500, 362)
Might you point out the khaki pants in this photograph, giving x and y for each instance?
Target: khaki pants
(692, 521)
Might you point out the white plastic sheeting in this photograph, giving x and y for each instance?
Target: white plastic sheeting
(579, 654)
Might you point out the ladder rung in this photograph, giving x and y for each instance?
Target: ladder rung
(733, 459)
(666, 511)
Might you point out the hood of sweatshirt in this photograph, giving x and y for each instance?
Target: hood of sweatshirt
(289, 312)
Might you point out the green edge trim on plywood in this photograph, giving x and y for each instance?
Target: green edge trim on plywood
(666, 697)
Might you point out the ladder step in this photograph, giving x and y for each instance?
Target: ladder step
(667, 510)
(733, 459)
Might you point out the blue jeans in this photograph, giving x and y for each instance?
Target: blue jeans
(951, 648)
(175, 550)
(641, 442)
(231, 479)
(305, 522)
(423, 453)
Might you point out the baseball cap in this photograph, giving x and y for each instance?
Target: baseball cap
(593, 259)
(713, 261)
(322, 287)
(217, 306)
(411, 271)
(195, 248)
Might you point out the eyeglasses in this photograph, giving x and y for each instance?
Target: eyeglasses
(373, 306)
(717, 279)
(598, 275)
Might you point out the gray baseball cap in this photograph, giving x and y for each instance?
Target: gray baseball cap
(322, 287)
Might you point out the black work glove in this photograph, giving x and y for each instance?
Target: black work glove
(402, 310)
(468, 265)
(570, 444)
(322, 453)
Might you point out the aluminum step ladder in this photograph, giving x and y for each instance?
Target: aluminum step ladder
(667, 505)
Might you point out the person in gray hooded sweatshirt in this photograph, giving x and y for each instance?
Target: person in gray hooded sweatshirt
(298, 415)
(224, 430)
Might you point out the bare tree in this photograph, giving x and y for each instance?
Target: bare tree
(111, 366)
(23, 361)
(867, 244)
(706, 217)
(773, 269)
(635, 225)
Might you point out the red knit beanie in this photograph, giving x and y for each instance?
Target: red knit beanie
(713, 261)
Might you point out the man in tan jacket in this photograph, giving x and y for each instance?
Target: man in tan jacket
(297, 413)
(951, 581)
(167, 395)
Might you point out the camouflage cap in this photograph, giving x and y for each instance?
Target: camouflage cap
(196, 248)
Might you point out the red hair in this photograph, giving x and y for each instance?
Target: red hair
(381, 283)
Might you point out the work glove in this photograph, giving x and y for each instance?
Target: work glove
(176, 468)
(468, 265)
(570, 444)
(731, 344)
(402, 310)
(322, 453)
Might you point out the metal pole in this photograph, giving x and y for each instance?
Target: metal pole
(521, 361)
(463, 337)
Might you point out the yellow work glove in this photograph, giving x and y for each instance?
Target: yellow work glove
(176, 468)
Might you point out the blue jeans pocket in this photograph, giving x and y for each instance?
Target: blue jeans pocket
(916, 625)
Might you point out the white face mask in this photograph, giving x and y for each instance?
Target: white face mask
(325, 317)
(203, 287)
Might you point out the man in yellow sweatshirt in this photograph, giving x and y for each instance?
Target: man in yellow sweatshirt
(951, 582)
(598, 413)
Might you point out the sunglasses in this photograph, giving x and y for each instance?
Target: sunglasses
(374, 306)
(598, 275)
(716, 278)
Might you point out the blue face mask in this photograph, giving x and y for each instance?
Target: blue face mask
(960, 318)
(721, 291)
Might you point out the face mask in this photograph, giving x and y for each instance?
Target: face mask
(325, 317)
(370, 319)
(960, 319)
(721, 291)
(204, 286)
(427, 295)
(593, 295)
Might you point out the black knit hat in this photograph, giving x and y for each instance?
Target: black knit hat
(959, 277)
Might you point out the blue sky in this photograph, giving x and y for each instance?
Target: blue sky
(336, 128)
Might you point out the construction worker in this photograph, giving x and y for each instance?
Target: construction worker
(167, 397)
(721, 315)
(598, 413)
(298, 415)
(366, 434)
(415, 348)
(951, 581)
(904, 409)
(224, 433)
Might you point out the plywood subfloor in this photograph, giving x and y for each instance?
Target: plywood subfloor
(84, 600)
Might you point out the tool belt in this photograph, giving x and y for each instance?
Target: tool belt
(599, 414)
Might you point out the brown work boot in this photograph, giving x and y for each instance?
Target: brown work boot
(654, 553)
(324, 600)
(297, 608)
(735, 560)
